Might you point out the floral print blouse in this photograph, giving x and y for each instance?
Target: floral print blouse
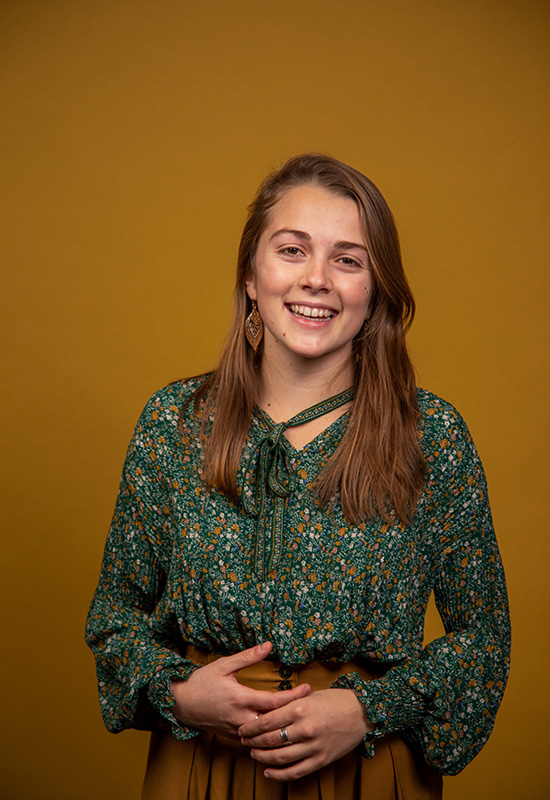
(180, 567)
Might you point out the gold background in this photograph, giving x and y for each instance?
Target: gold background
(133, 136)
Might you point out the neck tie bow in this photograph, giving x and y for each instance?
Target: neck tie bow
(275, 479)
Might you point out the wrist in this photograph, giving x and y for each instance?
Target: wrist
(359, 716)
(180, 708)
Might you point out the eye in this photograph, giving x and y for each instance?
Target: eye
(347, 261)
(291, 251)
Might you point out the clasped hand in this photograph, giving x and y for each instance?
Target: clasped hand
(321, 726)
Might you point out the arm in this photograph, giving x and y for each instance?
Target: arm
(134, 664)
(445, 699)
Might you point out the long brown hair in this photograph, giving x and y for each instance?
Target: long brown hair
(378, 468)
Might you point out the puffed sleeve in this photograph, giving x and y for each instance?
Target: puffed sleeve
(444, 698)
(135, 659)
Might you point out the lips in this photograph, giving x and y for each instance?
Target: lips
(311, 312)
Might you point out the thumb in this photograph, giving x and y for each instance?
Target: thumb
(246, 658)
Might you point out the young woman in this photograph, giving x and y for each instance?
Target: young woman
(281, 524)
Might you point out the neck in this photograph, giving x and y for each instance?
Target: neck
(287, 389)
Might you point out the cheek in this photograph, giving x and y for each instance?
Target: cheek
(271, 284)
(360, 297)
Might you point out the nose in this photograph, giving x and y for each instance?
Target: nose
(315, 275)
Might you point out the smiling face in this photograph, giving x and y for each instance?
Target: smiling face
(311, 278)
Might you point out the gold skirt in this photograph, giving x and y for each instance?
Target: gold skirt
(210, 767)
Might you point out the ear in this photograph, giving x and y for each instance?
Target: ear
(250, 285)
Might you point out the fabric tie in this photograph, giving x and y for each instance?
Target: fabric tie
(275, 480)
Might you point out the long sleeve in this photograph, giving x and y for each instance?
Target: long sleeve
(444, 698)
(135, 663)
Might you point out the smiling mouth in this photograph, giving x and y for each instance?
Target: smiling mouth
(306, 312)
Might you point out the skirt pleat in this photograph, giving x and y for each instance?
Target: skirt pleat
(211, 767)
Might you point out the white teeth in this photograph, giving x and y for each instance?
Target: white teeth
(307, 311)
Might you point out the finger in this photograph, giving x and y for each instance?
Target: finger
(291, 773)
(272, 705)
(281, 756)
(272, 739)
(246, 658)
(272, 701)
(265, 703)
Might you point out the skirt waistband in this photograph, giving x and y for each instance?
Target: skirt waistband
(273, 675)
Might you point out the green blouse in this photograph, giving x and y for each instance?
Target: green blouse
(181, 565)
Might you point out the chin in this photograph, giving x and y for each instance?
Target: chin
(313, 354)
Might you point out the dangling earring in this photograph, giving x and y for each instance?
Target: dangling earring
(254, 327)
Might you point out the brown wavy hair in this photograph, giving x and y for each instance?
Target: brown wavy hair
(378, 470)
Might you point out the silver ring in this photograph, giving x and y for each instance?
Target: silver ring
(284, 736)
(258, 715)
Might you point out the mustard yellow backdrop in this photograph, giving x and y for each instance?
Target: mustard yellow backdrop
(133, 135)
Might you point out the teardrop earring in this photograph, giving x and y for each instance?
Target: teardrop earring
(254, 327)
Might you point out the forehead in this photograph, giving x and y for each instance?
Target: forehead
(313, 207)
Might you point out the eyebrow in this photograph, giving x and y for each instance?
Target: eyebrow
(299, 234)
(349, 245)
(307, 238)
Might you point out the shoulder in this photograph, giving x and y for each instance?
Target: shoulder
(439, 416)
(164, 407)
(445, 438)
(177, 392)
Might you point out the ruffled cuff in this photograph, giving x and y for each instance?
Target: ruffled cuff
(389, 703)
(161, 697)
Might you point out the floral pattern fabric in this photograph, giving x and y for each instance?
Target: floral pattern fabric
(179, 564)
